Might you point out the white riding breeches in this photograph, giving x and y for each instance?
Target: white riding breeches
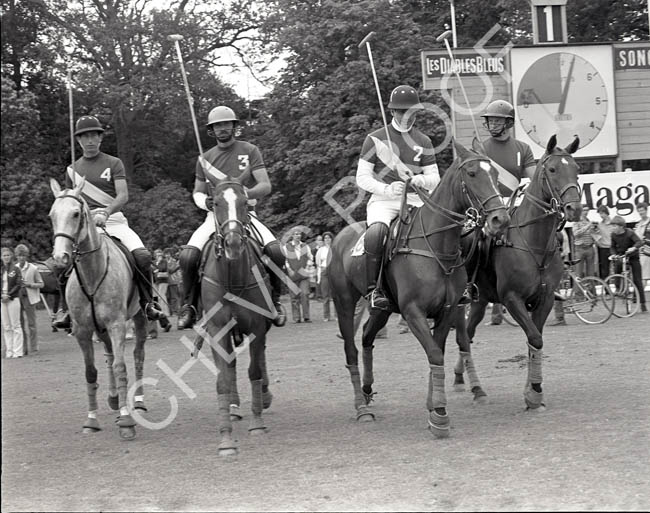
(381, 209)
(117, 226)
(203, 233)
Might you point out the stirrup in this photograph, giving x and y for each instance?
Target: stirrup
(187, 318)
(558, 296)
(281, 317)
(378, 301)
(62, 320)
(153, 312)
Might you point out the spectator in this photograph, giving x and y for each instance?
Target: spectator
(323, 258)
(30, 295)
(603, 236)
(642, 229)
(175, 279)
(558, 307)
(626, 242)
(318, 243)
(161, 278)
(583, 241)
(298, 259)
(11, 283)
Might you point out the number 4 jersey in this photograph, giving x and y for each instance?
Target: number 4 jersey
(100, 172)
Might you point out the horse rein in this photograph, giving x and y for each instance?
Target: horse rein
(222, 229)
(76, 255)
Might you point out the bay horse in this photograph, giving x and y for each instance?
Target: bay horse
(101, 296)
(237, 309)
(522, 269)
(425, 277)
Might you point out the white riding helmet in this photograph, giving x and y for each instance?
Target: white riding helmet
(221, 113)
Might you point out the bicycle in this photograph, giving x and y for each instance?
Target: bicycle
(622, 286)
(590, 299)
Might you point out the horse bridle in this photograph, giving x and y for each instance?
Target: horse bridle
(474, 213)
(556, 203)
(75, 238)
(225, 228)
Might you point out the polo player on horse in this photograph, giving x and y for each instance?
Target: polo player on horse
(384, 167)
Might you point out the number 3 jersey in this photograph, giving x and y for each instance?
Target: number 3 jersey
(100, 172)
(237, 161)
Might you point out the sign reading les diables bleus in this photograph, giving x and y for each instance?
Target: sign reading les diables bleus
(437, 63)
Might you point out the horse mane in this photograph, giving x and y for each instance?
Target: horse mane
(450, 177)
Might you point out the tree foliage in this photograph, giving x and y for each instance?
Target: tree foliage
(310, 127)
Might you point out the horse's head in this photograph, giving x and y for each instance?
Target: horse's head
(231, 211)
(556, 177)
(70, 221)
(479, 194)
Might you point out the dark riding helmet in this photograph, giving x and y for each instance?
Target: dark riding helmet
(404, 97)
(88, 124)
(499, 109)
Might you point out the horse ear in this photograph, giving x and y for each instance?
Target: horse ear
(477, 146)
(552, 143)
(79, 186)
(461, 151)
(56, 188)
(573, 147)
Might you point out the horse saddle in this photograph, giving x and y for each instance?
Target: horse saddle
(127, 254)
(399, 229)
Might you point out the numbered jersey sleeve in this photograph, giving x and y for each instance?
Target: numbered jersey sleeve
(237, 161)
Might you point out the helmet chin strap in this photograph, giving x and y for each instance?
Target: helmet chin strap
(400, 128)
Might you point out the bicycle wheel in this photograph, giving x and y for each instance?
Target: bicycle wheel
(591, 300)
(627, 295)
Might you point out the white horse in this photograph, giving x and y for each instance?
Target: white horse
(102, 296)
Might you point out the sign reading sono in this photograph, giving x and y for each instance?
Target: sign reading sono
(632, 57)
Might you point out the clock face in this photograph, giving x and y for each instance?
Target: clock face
(564, 94)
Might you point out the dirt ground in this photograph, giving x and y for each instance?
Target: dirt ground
(590, 449)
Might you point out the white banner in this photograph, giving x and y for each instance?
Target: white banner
(620, 192)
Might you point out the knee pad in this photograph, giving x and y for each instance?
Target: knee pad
(142, 258)
(190, 258)
(375, 238)
(274, 251)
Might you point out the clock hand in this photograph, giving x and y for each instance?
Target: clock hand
(540, 102)
(565, 90)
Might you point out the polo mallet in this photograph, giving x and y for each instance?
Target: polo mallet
(72, 141)
(444, 37)
(366, 41)
(176, 38)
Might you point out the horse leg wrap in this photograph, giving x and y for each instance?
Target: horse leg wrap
(356, 385)
(459, 368)
(534, 365)
(256, 423)
(223, 407)
(92, 396)
(234, 393)
(256, 397)
(468, 363)
(436, 397)
(368, 378)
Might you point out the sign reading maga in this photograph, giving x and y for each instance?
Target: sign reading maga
(620, 192)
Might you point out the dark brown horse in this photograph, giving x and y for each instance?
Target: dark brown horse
(237, 309)
(522, 269)
(425, 278)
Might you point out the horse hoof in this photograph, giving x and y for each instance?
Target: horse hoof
(439, 424)
(459, 387)
(125, 421)
(88, 430)
(127, 433)
(114, 402)
(536, 409)
(235, 413)
(267, 398)
(480, 397)
(91, 426)
(365, 415)
(257, 431)
(534, 400)
(227, 452)
(139, 405)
